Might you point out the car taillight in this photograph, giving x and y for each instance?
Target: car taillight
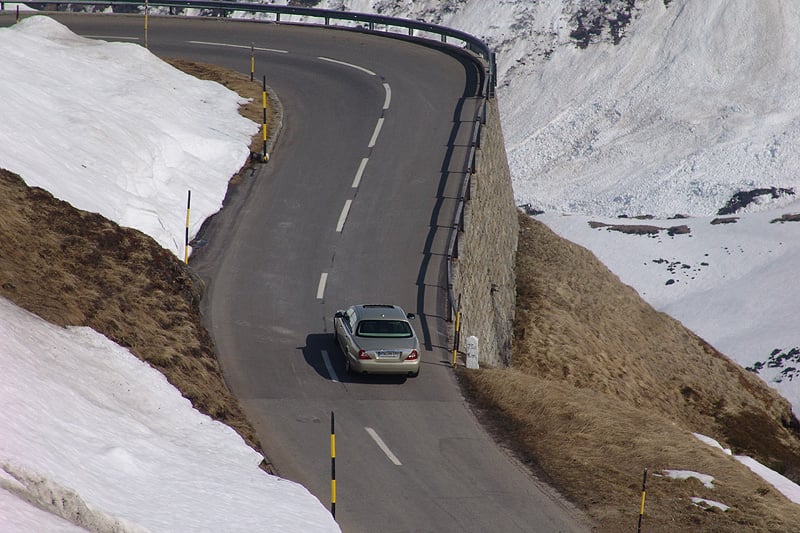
(362, 354)
(412, 356)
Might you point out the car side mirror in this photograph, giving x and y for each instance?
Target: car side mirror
(339, 314)
(411, 316)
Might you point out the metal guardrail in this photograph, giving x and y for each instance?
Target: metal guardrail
(372, 22)
(365, 22)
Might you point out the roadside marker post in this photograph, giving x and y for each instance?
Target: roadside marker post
(333, 469)
(641, 506)
(456, 339)
(265, 155)
(186, 233)
(472, 353)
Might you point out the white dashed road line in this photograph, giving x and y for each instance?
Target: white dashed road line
(388, 100)
(323, 279)
(375, 133)
(329, 366)
(343, 216)
(362, 69)
(227, 45)
(359, 173)
(382, 445)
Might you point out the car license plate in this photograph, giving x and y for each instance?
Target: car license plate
(385, 354)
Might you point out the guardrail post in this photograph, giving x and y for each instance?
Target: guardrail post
(474, 163)
(449, 293)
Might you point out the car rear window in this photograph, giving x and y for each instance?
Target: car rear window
(383, 328)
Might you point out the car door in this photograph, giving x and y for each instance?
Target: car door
(347, 323)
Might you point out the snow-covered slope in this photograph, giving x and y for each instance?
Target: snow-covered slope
(136, 161)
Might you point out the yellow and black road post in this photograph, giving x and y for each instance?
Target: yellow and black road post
(457, 331)
(265, 155)
(333, 469)
(641, 506)
(456, 339)
(186, 233)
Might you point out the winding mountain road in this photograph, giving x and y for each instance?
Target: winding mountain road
(354, 206)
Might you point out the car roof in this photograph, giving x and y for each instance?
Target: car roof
(379, 312)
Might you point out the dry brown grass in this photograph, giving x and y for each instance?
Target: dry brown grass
(603, 386)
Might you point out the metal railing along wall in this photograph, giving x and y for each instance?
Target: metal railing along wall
(363, 22)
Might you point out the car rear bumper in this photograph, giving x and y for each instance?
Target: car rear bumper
(385, 367)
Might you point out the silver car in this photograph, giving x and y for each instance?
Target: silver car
(377, 339)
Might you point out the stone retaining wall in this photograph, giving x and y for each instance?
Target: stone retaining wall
(484, 277)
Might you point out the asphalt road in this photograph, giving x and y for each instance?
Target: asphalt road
(354, 206)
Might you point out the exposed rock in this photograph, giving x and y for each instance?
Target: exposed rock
(786, 218)
(530, 210)
(725, 220)
(742, 199)
(683, 229)
(641, 229)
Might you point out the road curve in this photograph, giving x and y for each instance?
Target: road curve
(354, 206)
